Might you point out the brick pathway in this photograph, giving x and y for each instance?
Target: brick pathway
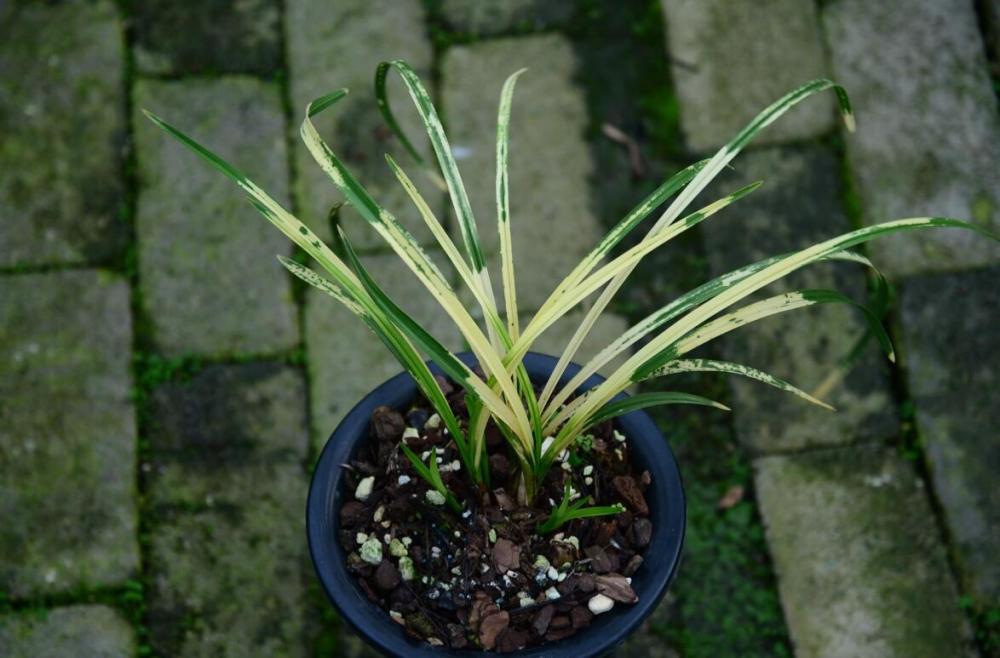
(165, 385)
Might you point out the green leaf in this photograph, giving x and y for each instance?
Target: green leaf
(644, 400)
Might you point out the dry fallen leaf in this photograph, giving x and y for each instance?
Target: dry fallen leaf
(732, 496)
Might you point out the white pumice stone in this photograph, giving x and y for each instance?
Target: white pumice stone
(361, 537)
(364, 489)
(433, 422)
(457, 571)
(424, 455)
(525, 601)
(410, 433)
(406, 568)
(434, 497)
(573, 540)
(386, 524)
(371, 551)
(467, 513)
(492, 536)
(565, 466)
(588, 469)
(439, 451)
(588, 481)
(439, 460)
(562, 577)
(407, 541)
(549, 440)
(403, 479)
(453, 466)
(552, 594)
(619, 454)
(599, 604)
(552, 573)
(379, 513)
(619, 437)
(558, 536)
(397, 548)
(458, 535)
(564, 455)
(541, 562)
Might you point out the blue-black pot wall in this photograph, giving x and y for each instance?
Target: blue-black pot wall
(665, 497)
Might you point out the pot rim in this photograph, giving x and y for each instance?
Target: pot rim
(665, 497)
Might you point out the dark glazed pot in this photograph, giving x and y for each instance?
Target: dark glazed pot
(665, 497)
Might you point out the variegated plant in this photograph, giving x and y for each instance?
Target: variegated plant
(539, 427)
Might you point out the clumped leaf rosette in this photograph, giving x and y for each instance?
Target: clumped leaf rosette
(539, 427)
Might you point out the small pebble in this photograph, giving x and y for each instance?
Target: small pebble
(588, 469)
(410, 433)
(588, 481)
(371, 551)
(619, 437)
(565, 466)
(599, 604)
(541, 562)
(397, 549)
(403, 479)
(364, 489)
(406, 568)
(433, 422)
(361, 537)
(552, 594)
(407, 541)
(434, 497)
(493, 536)
(552, 573)
(457, 571)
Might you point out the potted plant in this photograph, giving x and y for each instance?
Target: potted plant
(502, 500)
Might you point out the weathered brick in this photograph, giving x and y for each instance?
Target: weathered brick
(67, 433)
(550, 164)
(208, 275)
(952, 365)
(227, 489)
(733, 59)
(335, 45)
(928, 139)
(61, 189)
(486, 17)
(798, 205)
(216, 36)
(79, 630)
(346, 361)
(860, 563)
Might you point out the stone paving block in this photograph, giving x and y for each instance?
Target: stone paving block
(730, 60)
(928, 138)
(61, 191)
(550, 165)
(94, 631)
(217, 36)
(346, 360)
(228, 491)
(67, 433)
(799, 205)
(209, 278)
(952, 366)
(488, 17)
(336, 45)
(861, 567)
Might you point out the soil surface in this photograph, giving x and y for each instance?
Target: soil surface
(484, 578)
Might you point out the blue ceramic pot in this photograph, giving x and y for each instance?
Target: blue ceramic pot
(649, 450)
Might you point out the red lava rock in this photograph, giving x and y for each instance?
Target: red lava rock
(642, 532)
(580, 616)
(387, 424)
(386, 576)
(511, 640)
(540, 623)
(456, 636)
(632, 566)
(445, 384)
(600, 562)
(506, 555)
(560, 622)
(604, 532)
(490, 627)
(352, 513)
(553, 636)
(615, 586)
(629, 491)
